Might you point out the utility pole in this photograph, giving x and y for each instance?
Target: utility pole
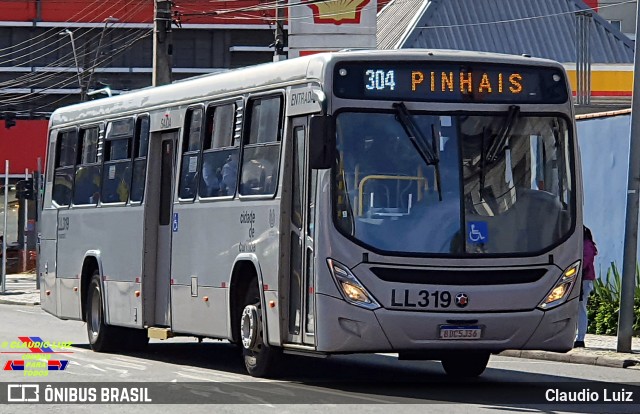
(625, 317)
(162, 43)
(75, 57)
(25, 226)
(5, 236)
(93, 67)
(278, 44)
(38, 184)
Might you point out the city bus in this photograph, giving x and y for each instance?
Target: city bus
(417, 202)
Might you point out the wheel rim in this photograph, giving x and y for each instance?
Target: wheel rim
(248, 326)
(96, 313)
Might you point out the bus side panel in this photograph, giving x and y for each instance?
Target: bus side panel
(48, 292)
(208, 238)
(48, 235)
(69, 298)
(111, 232)
(203, 250)
(72, 247)
(120, 244)
(125, 309)
(188, 310)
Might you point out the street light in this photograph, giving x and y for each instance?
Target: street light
(108, 20)
(75, 55)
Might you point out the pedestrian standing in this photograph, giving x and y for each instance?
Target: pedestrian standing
(588, 276)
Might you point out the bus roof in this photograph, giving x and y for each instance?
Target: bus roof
(232, 82)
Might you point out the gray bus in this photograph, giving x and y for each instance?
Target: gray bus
(424, 203)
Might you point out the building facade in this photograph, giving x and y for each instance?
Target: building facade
(544, 28)
(621, 15)
(52, 53)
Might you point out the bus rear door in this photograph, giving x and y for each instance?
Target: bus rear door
(159, 224)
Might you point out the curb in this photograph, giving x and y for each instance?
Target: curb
(18, 301)
(600, 360)
(11, 302)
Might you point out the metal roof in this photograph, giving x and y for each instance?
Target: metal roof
(541, 28)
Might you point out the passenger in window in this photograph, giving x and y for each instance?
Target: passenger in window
(229, 175)
(123, 186)
(211, 181)
(253, 178)
(87, 183)
(257, 173)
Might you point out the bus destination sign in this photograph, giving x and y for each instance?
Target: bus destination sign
(449, 82)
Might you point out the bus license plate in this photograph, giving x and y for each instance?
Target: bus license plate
(460, 332)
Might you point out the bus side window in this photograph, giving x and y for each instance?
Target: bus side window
(220, 156)
(116, 174)
(65, 161)
(86, 189)
(141, 142)
(261, 153)
(191, 143)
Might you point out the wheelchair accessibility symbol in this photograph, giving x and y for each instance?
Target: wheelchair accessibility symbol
(477, 232)
(174, 224)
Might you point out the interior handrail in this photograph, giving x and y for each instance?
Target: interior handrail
(381, 177)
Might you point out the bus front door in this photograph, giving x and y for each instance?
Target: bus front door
(301, 321)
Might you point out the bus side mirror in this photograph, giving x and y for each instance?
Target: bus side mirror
(321, 142)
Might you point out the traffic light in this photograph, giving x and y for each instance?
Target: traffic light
(29, 192)
(9, 119)
(25, 190)
(20, 186)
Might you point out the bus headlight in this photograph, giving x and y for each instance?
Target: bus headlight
(561, 289)
(350, 287)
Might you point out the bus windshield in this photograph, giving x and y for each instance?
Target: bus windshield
(497, 184)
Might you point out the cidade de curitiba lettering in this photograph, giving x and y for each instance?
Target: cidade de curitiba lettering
(247, 217)
(587, 395)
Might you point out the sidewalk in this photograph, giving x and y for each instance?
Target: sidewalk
(600, 349)
(20, 289)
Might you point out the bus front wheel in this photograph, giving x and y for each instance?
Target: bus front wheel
(259, 358)
(466, 365)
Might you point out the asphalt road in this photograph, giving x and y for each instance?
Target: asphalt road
(212, 372)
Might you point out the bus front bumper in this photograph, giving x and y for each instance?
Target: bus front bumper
(345, 328)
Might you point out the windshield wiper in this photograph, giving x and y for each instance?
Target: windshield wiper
(429, 154)
(500, 140)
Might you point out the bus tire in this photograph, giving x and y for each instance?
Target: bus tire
(466, 365)
(260, 359)
(101, 336)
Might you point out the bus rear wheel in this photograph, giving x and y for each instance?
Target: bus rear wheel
(260, 359)
(101, 336)
(466, 365)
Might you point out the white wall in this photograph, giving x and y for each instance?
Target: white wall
(604, 146)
